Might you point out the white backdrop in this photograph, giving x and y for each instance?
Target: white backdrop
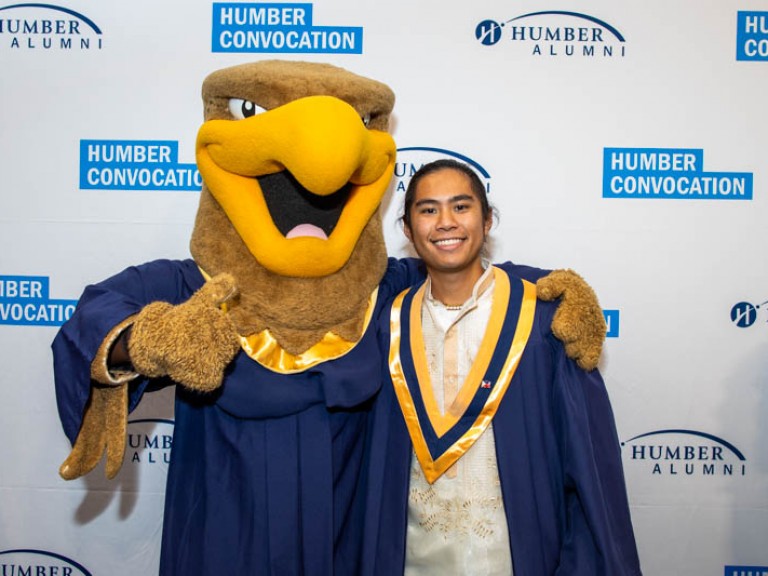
(549, 100)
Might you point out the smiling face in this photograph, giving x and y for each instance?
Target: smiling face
(447, 225)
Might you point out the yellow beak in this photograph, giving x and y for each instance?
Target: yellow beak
(322, 142)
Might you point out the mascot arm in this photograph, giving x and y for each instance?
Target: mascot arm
(93, 398)
(579, 322)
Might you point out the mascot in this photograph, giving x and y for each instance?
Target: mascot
(265, 331)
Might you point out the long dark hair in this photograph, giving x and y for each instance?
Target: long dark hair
(476, 185)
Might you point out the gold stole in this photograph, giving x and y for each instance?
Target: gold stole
(439, 440)
(264, 348)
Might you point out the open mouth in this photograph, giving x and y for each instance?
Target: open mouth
(298, 212)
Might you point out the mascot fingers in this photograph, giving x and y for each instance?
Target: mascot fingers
(192, 343)
(579, 320)
(103, 428)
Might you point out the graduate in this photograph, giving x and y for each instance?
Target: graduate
(491, 452)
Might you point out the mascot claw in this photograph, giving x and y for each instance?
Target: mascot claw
(579, 322)
(103, 429)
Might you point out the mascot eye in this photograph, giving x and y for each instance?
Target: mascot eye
(366, 119)
(241, 109)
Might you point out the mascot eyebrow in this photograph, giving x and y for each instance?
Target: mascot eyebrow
(267, 330)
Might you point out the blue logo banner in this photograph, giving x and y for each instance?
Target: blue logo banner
(752, 36)
(24, 301)
(135, 165)
(612, 323)
(278, 28)
(671, 173)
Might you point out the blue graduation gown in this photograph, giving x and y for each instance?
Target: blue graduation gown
(266, 474)
(559, 464)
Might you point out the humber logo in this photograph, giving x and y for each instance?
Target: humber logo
(285, 28)
(24, 301)
(29, 562)
(669, 173)
(752, 36)
(47, 27)
(744, 314)
(680, 452)
(555, 33)
(410, 159)
(135, 165)
(150, 441)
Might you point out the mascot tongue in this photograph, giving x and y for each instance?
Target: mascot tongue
(307, 230)
(297, 212)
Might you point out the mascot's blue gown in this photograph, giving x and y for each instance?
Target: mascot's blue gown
(559, 464)
(266, 474)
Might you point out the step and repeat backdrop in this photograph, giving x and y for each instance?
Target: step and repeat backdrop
(625, 140)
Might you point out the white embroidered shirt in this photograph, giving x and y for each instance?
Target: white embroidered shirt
(457, 525)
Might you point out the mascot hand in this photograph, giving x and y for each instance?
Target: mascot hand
(579, 320)
(103, 429)
(192, 343)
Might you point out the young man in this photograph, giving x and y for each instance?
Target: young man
(491, 452)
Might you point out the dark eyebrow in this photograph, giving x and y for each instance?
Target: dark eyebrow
(451, 200)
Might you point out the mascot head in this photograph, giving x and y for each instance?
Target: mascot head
(298, 158)
(295, 158)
